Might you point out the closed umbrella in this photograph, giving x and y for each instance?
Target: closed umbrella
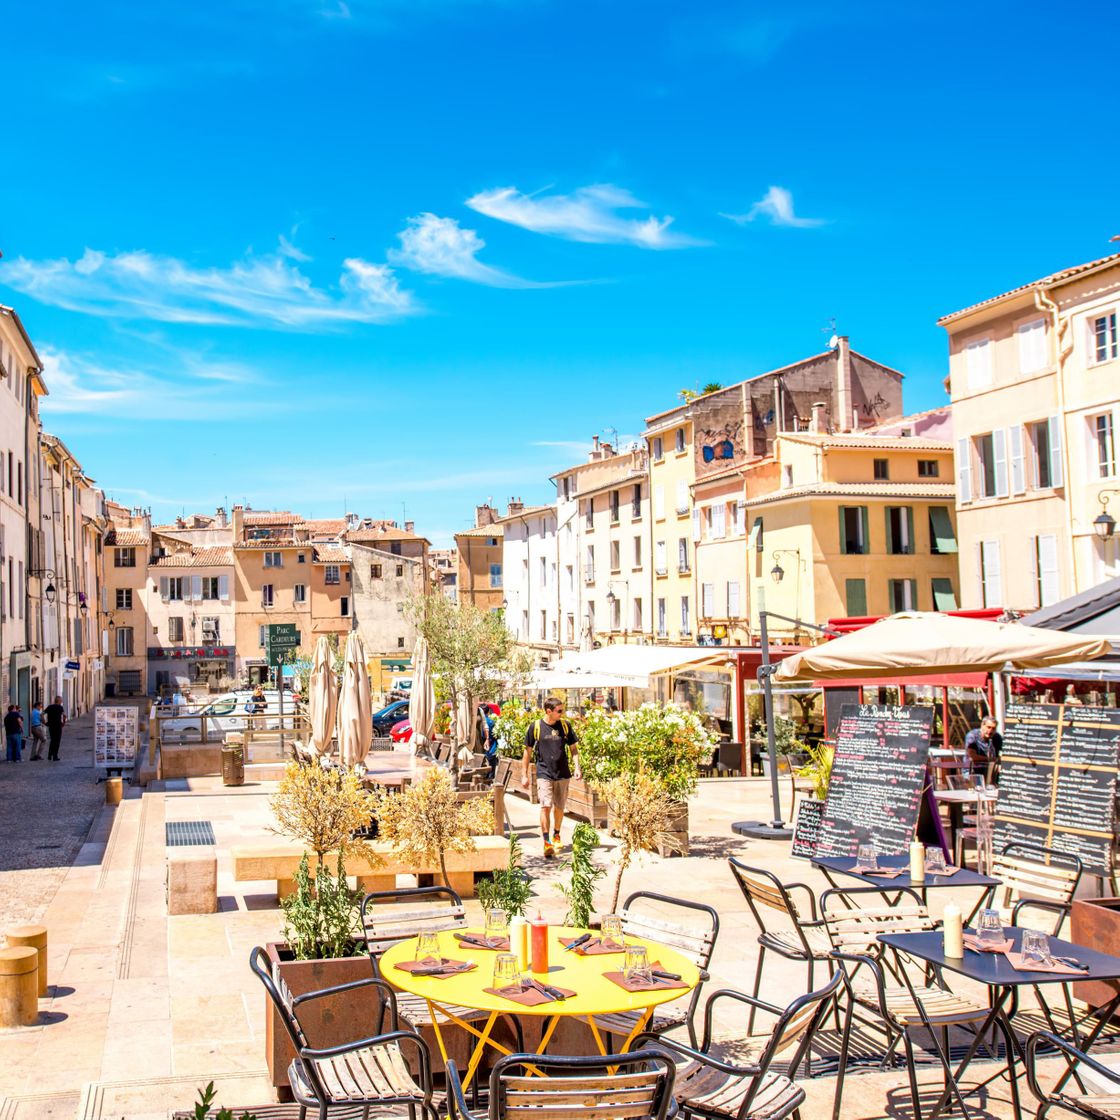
(355, 716)
(914, 642)
(422, 697)
(464, 723)
(322, 697)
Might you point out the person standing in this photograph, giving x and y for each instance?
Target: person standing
(38, 731)
(56, 721)
(13, 732)
(550, 740)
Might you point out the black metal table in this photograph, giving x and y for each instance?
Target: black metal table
(1002, 980)
(831, 865)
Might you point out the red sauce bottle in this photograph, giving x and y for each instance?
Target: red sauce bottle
(538, 951)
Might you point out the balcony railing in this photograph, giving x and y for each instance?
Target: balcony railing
(684, 567)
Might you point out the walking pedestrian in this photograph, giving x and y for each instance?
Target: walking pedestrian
(549, 741)
(56, 720)
(38, 731)
(13, 732)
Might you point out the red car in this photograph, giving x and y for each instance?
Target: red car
(402, 732)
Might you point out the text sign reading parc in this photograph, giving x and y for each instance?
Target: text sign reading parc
(283, 638)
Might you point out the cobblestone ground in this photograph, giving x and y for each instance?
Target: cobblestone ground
(46, 810)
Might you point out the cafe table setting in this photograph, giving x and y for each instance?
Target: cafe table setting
(532, 969)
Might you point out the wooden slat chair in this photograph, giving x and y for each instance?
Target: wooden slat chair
(643, 915)
(390, 917)
(633, 1086)
(1035, 879)
(900, 997)
(709, 1087)
(798, 937)
(1101, 1098)
(364, 1073)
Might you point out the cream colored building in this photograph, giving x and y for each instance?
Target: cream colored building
(1034, 378)
(127, 551)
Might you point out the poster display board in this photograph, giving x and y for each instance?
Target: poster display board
(806, 828)
(1057, 780)
(878, 775)
(116, 737)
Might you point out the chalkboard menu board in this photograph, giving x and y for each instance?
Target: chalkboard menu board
(806, 828)
(1057, 780)
(878, 775)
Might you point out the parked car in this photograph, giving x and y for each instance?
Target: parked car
(402, 732)
(224, 713)
(384, 720)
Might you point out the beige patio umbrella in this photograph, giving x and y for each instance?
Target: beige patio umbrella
(422, 697)
(355, 716)
(322, 697)
(465, 723)
(915, 642)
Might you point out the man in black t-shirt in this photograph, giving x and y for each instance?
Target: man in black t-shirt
(13, 733)
(550, 740)
(55, 715)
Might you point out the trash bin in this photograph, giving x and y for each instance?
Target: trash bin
(233, 765)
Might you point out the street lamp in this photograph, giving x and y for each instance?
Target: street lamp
(777, 572)
(49, 593)
(1104, 524)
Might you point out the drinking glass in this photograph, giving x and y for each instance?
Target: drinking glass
(611, 928)
(989, 928)
(506, 971)
(497, 926)
(935, 860)
(866, 859)
(637, 963)
(1036, 947)
(427, 945)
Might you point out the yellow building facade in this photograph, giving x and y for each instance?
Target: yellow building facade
(1034, 378)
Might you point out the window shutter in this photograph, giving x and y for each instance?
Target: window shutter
(843, 533)
(1018, 463)
(865, 535)
(909, 526)
(196, 587)
(855, 597)
(911, 594)
(223, 588)
(943, 597)
(1056, 476)
(964, 471)
(682, 496)
(164, 588)
(1032, 566)
(1048, 570)
(999, 457)
(941, 529)
(993, 576)
(696, 525)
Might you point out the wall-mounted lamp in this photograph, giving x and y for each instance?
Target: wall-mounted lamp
(1104, 524)
(777, 572)
(49, 592)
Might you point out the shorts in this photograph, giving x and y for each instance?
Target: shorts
(552, 793)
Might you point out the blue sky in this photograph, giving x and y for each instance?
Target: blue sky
(363, 253)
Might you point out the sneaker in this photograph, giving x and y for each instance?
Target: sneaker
(549, 851)
(556, 839)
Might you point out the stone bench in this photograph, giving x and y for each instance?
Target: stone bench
(192, 881)
(279, 861)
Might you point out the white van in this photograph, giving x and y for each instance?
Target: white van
(224, 713)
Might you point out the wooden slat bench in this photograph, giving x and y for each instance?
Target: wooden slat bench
(278, 861)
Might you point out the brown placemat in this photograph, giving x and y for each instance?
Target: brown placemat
(1016, 961)
(948, 873)
(527, 997)
(450, 967)
(971, 941)
(596, 947)
(881, 872)
(654, 985)
(478, 941)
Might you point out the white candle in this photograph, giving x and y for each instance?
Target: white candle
(917, 862)
(953, 928)
(519, 940)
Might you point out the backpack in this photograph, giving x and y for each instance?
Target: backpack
(535, 730)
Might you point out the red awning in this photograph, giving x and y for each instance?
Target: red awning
(946, 680)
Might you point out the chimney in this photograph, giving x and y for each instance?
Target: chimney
(844, 410)
(515, 506)
(606, 451)
(817, 423)
(238, 523)
(484, 514)
(410, 526)
(220, 516)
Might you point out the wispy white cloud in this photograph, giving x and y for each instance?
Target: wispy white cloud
(256, 291)
(183, 389)
(288, 249)
(587, 214)
(777, 206)
(441, 247)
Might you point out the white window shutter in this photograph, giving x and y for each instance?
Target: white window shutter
(696, 525)
(964, 471)
(1048, 570)
(999, 455)
(196, 587)
(1018, 463)
(1032, 571)
(164, 588)
(223, 588)
(682, 495)
(1056, 476)
(993, 575)
(659, 501)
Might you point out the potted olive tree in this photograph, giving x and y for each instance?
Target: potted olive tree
(326, 811)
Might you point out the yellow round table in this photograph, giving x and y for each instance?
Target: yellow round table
(595, 994)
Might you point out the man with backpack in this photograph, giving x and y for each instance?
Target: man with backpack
(549, 740)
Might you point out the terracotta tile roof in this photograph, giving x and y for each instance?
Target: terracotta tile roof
(879, 443)
(372, 536)
(272, 544)
(1046, 282)
(331, 554)
(528, 511)
(269, 517)
(329, 525)
(482, 531)
(126, 538)
(196, 558)
(931, 490)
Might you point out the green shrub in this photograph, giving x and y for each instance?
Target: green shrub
(510, 888)
(585, 873)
